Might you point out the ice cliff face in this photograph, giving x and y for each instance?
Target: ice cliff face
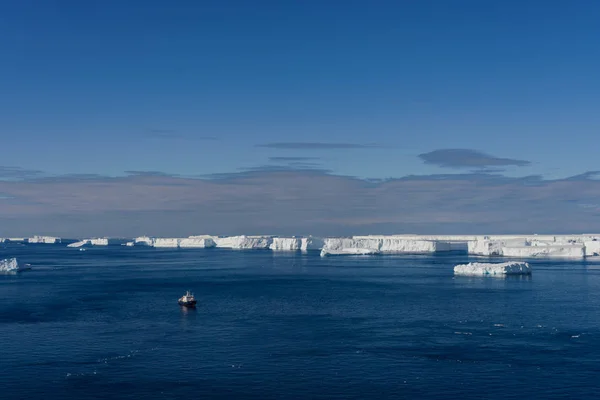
(166, 242)
(383, 244)
(286, 244)
(566, 246)
(197, 242)
(244, 242)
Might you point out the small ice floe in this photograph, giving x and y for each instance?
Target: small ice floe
(493, 269)
(348, 252)
(12, 265)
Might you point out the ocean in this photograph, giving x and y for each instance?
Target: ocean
(105, 324)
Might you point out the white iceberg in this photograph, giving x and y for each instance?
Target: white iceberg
(12, 265)
(507, 268)
(166, 242)
(97, 242)
(81, 243)
(243, 242)
(43, 239)
(352, 251)
(203, 241)
(386, 244)
(144, 241)
(286, 244)
(562, 251)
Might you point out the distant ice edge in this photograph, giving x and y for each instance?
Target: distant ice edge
(579, 246)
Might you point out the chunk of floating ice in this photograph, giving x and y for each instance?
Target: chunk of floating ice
(507, 268)
(348, 252)
(12, 265)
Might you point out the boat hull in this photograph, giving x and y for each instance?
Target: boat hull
(187, 303)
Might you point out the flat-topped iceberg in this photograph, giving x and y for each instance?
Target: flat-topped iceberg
(243, 242)
(166, 242)
(507, 268)
(97, 242)
(11, 265)
(43, 239)
(383, 244)
(197, 242)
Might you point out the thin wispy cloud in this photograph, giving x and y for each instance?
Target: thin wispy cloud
(468, 158)
(293, 159)
(148, 173)
(316, 146)
(7, 172)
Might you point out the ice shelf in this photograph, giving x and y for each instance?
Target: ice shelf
(521, 246)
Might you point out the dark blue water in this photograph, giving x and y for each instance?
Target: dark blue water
(105, 324)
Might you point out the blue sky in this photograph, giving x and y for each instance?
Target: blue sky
(357, 88)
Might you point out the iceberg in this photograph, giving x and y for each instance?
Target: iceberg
(203, 241)
(143, 241)
(43, 239)
(507, 268)
(286, 244)
(563, 251)
(386, 244)
(312, 243)
(352, 251)
(166, 242)
(97, 242)
(11, 265)
(592, 248)
(243, 242)
(81, 243)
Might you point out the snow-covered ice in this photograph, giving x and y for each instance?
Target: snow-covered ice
(43, 239)
(166, 242)
(507, 268)
(243, 242)
(286, 244)
(522, 246)
(197, 242)
(350, 251)
(144, 241)
(97, 242)
(81, 243)
(562, 251)
(386, 244)
(11, 265)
